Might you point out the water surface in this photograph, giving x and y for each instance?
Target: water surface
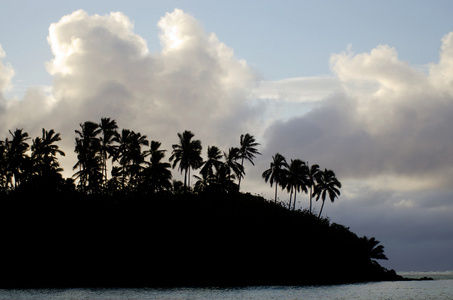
(440, 288)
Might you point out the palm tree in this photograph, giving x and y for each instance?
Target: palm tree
(44, 152)
(224, 180)
(136, 157)
(202, 183)
(187, 154)
(130, 156)
(155, 153)
(313, 177)
(296, 179)
(108, 129)
(212, 163)
(122, 153)
(327, 184)
(247, 150)
(374, 250)
(231, 164)
(3, 166)
(16, 154)
(115, 183)
(157, 175)
(177, 186)
(276, 172)
(89, 159)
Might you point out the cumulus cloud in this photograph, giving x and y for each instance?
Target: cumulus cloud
(391, 122)
(377, 117)
(441, 74)
(6, 74)
(387, 135)
(20, 112)
(298, 90)
(101, 68)
(381, 124)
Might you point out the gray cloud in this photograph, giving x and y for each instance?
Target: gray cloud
(382, 125)
(414, 227)
(388, 137)
(400, 128)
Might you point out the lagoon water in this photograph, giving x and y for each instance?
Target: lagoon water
(440, 288)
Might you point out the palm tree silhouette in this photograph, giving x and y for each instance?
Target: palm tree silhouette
(276, 172)
(224, 180)
(231, 164)
(137, 157)
(247, 150)
(296, 179)
(203, 182)
(89, 159)
(44, 153)
(3, 165)
(130, 156)
(374, 250)
(187, 154)
(327, 184)
(157, 175)
(122, 153)
(115, 183)
(219, 176)
(108, 129)
(312, 178)
(16, 154)
(177, 186)
(212, 164)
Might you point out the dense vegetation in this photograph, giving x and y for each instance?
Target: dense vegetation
(101, 147)
(138, 227)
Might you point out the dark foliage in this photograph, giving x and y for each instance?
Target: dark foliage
(140, 228)
(74, 239)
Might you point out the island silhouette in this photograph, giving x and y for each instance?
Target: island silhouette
(137, 227)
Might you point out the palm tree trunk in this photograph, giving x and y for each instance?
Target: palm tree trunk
(290, 197)
(124, 177)
(239, 183)
(322, 206)
(105, 168)
(311, 193)
(188, 179)
(294, 205)
(276, 192)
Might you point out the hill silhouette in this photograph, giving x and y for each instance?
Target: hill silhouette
(71, 239)
(122, 220)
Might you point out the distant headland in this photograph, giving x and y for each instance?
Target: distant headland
(137, 227)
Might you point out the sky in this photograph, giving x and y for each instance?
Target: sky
(364, 88)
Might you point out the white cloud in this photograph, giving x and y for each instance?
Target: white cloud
(376, 118)
(381, 124)
(441, 74)
(101, 68)
(6, 73)
(387, 135)
(298, 90)
(390, 121)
